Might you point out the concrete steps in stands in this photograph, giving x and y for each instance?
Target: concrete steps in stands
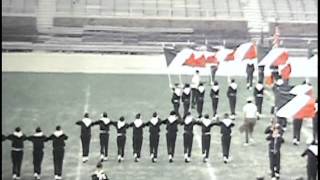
(45, 14)
(252, 13)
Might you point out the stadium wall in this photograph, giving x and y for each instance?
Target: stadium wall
(19, 28)
(296, 28)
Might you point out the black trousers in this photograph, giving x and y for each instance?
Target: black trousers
(274, 162)
(206, 144)
(213, 72)
(259, 101)
(121, 141)
(186, 107)
(176, 106)
(85, 141)
(137, 144)
(37, 160)
(225, 141)
(194, 96)
(104, 142)
(58, 155)
(171, 143)
(250, 78)
(187, 143)
(297, 123)
(215, 102)
(232, 104)
(261, 76)
(312, 171)
(315, 128)
(282, 121)
(154, 143)
(199, 106)
(16, 157)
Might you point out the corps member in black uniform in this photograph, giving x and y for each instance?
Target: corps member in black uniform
(137, 136)
(104, 124)
(225, 129)
(206, 125)
(186, 99)
(38, 139)
(17, 138)
(297, 124)
(154, 130)
(85, 136)
(232, 96)
(261, 74)
(258, 96)
(312, 161)
(200, 99)
(274, 152)
(249, 70)
(58, 139)
(121, 127)
(175, 99)
(214, 94)
(188, 123)
(172, 129)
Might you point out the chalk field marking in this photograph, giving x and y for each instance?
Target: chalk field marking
(210, 169)
(85, 109)
(306, 133)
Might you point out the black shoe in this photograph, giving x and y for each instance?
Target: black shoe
(170, 160)
(186, 160)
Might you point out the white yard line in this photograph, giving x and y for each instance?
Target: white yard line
(210, 169)
(85, 109)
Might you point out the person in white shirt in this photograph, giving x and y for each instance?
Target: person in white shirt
(195, 81)
(250, 118)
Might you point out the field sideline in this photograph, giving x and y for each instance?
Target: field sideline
(48, 99)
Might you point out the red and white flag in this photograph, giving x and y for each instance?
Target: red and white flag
(285, 71)
(302, 89)
(225, 54)
(275, 57)
(246, 51)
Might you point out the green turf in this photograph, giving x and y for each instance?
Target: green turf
(46, 100)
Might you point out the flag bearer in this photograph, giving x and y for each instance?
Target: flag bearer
(297, 124)
(85, 136)
(58, 142)
(232, 96)
(175, 99)
(200, 99)
(186, 97)
(38, 139)
(172, 129)
(225, 129)
(274, 152)
(312, 162)
(154, 130)
(104, 122)
(137, 136)
(249, 70)
(121, 127)
(214, 94)
(17, 138)
(188, 123)
(195, 81)
(258, 96)
(206, 125)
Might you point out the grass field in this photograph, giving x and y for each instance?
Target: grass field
(49, 99)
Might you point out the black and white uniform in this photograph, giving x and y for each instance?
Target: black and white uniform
(249, 71)
(58, 143)
(154, 130)
(274, 154)
(214, 94)
(232, 96)
(175, 99)
(312, 161)
(85, 136)
(186, 98)
(225, 130)
(200, 100)
(195, 81)
(206, 126)
(104, 124)
(261, 74)
(171, 135)
(258, 96)
(17, 139)
(121, 137)
(297, 124)
(269, 130)
(188, 123)
(137, 136)
(99, 175)
(38, 139)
